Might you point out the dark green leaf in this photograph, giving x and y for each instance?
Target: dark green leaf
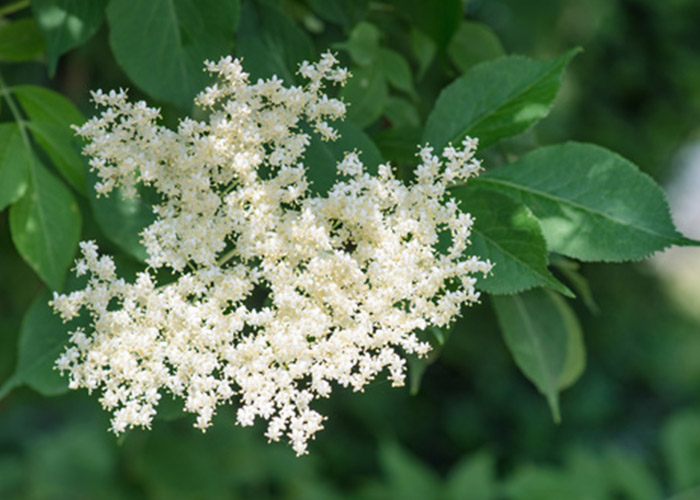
(121, 219)
(46, 106)
(41, 341)
(417, 366)
(322, 157)
(396, 70)
(508, 235)
(593, 204)
(541, 333)
(45, 225)
(399, 143)
(59, 144)
(344, 12)
(473, 43)
(162, 44)
(438, 20)
(20, 41)
(14, 164)
(66, 24)
(366, 94)
(271, 43)
(496, 99)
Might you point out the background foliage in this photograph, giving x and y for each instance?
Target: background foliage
(469, 425)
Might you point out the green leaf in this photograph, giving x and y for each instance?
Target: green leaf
(401, 113)
(396, 70)
(438, 20)
(680, 441)
(20, 41)
(14, 164)
(474, 477)
(121, 219)
(60, 145)
(399, 143)
(366, 94)
(417, 366)
(322, 157)
(408, 478)
(541, 333)
(363, 43)
(593, 204)
(509, 235)
(629, 477)
(424, 50)
(271, 43)
(41, 341)
(494, 100)
(46, 106)
(473, 43)
(66, 24)
(45, 225)
(161, 44)
(343, 12)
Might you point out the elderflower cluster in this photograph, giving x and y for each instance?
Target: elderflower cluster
(279, 294)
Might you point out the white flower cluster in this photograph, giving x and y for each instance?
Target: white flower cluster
(279, 293)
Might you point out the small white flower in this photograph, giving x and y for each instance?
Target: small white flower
(350, 276)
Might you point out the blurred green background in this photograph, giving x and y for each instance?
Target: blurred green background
(476, 429)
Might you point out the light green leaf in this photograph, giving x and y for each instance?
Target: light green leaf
(161, 44)
(474, 477)
(45, 225)
(14, 164)
(424, 50)
(60, 145)
(401, 113)
(494, 100)
(363, 44)
(629, 476)
(271, 43)
(396, 70)
(365, 94)
(46, 106)
(508, 235)
(20, 41)
(66, 24)
(408, 478)
(41, 340)
(680, 441)
(121, 219)
(322, 157)
(593, 204)
(473, 43)
(542, 334)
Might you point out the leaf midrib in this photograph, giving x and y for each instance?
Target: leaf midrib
(548, 196)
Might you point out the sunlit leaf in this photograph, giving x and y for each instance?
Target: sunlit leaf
(161, 44)
(20, 41)
(593, 204)
(495, 99)
(543, 337)
(66, 24)
(509, 235)
(45, 225)
(14, 164)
